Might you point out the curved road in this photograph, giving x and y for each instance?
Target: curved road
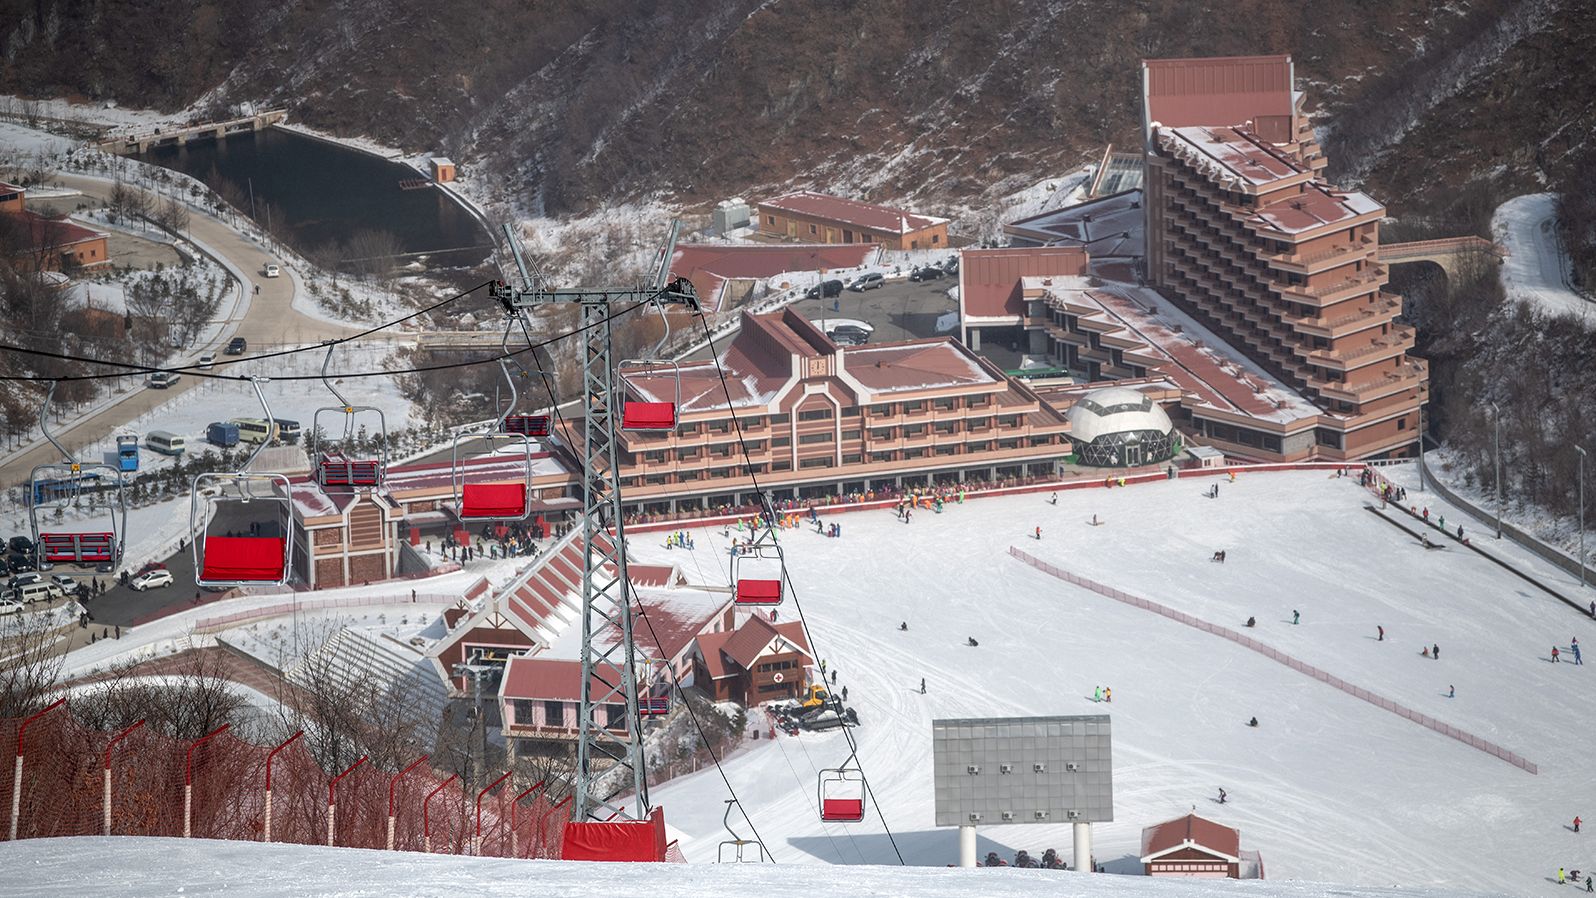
(268, 319)
(1536, 269)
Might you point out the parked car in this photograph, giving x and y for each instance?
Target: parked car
(926, 273)
(848, 335)
(152, 580)
(20, 545)
(207, 361)
(236, 346)
(8, 606)
(826, 289)
(18, 564)
(866, 282)
(35, 592)
(273, 271)
(68, 585)
(24, 580)
(160, 380)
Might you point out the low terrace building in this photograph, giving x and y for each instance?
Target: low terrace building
(819, 218)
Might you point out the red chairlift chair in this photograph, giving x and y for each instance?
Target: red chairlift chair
(501, 501)
(653, 415)
(226, 561)
(67, 484)
(336, 469)
(758, 572)
(842, 794)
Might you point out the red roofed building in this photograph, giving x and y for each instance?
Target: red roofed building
(758, 662)
(716, 269)
(820, 420)
(992, 299)
(50, 244)
(819, 218)
(1246, 237)
(1191, 846)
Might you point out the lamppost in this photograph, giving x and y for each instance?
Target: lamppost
(1582, 456)
(1421, 448)
(1496, 421)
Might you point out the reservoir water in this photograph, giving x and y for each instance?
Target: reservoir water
(325, 194)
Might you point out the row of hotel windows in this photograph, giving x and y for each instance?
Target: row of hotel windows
(825, 413)
(830, 461)
(906, 431)
(554, 714)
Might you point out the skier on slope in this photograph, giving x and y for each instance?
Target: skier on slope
(1296, 616)
(1221, 795)
(1555, 659)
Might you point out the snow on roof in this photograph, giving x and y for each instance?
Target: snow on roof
(1191, 831)
(1218, 90)
(710, 265)
(442, 160)
(845, 211)
(916, 365)
(989, 278)
(1237, 151)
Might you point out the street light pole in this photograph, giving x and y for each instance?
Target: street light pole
(1582, 455)
(1421, 448)
(1496, 420)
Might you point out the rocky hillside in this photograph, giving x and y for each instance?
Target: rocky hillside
(574, 105)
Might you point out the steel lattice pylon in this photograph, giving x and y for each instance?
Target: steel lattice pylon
(609, 672)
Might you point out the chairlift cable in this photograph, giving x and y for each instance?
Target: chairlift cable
(748, 465)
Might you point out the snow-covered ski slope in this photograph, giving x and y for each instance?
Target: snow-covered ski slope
(121, 867)
(1329, 788)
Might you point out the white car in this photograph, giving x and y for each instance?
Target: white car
(151, 579)
(7, 606)
(207, 361)
(273, 271)
(160, 380)
(68, 585)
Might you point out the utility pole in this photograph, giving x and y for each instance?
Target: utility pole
(609, 668)
(1421, 448)
(1496, 420)
(478, 747)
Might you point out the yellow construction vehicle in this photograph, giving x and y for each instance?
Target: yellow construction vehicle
(813, 697)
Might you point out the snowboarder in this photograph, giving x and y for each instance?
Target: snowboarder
(1108, 695)
(904, 625)
(1576, 824)
(1095, 522)
(1441, 521)
(1381, 631)
(845, 693)
(1221, 795)
(922, 685)
(1555, 659)
(1053, 500)
(1559, 875)
(972, 643)
(1097, 694)
(1296, 616)
(833, 677)
(1577, 659)
(1253, 722)
(1039, 534)
(1451, 692)
(1587, 884)
(1252, 622)
(1435, 652)
(1593, 609)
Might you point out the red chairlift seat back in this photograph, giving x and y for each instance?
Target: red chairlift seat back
(842, 795)
(648, 416)
(758, 572)
(67, 548)
(244, 559)
(527, 425)
(758, 592)
(492, 501)
(654, 706)
(335, 467)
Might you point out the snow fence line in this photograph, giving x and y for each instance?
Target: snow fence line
(1052, 486)
(1273, 654)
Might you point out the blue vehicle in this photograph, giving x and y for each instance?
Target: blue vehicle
(127, 452)
(222, 433)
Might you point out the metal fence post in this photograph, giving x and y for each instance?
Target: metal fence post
(332, 804)
(391, 784)
(188, 780)
(426, 820)
(476, 842)
(16, 777)
(270, 756)
(118, 738)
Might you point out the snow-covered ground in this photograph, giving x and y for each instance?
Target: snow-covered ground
(18, 143)
(128, 867)
(1536, 269)
(1328, 788)
(1562, 532)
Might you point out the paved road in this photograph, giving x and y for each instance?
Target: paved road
(1536, 269)
(270, 319)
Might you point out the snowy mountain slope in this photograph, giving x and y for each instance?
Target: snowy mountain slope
(139, 868)
(1329, 787)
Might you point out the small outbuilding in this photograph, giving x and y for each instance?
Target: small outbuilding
(1192, 846)
(442, 169)
(1117, 427)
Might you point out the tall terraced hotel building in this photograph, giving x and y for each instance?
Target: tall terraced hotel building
(1246, 237)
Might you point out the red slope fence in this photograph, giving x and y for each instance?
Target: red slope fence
(69, 780)
(1276, 655)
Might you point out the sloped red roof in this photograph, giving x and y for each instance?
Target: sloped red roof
(546, 678)
(51, 233)
(845, 211)
(916, 365)
(1220, 90)
(989, 279)
(751, 638)
(1199, 831)
(710, 265)
(711, 646)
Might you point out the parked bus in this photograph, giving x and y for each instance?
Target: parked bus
(165, 442)
(255, 430)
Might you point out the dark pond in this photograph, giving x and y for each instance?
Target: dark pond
(326, 194)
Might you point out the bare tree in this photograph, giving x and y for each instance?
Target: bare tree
(30, 663)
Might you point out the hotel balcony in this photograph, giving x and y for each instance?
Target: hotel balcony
(1412, 374)
(1342, 324)
(1330, 294)
(1321, 260)
(1400, 340)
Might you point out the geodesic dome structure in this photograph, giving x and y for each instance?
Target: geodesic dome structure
(1116, 427)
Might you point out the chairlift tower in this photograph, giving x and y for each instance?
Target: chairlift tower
(608, 671)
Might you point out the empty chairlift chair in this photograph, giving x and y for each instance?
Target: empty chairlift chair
(485, 498)
(658, 410)
(241, 501)
(95, 491)
(738, 850)
(758, 571)
(842, 794)
(342, 463)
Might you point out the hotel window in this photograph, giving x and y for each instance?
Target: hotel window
(824, 461)
(881, 433)
(654, 479)
(1272, 443)
(553, 714)
(852, 459)
(983, 446)
(689, 474)
(850, 434)
(935, 239)
(881, 410)
(781, 464)
(914, 453)
(947, 450)
(910, 408)
(945, 426)
(945, 404)
(770, 219)
(1008, 444)
(780, 441)
(913, 430)
(815, 414)
(850, 411)
(880, 456)
(1008, 421)
(615, 716)
(523, 711)
(810, 439)
(778, 419)
(811, 229)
